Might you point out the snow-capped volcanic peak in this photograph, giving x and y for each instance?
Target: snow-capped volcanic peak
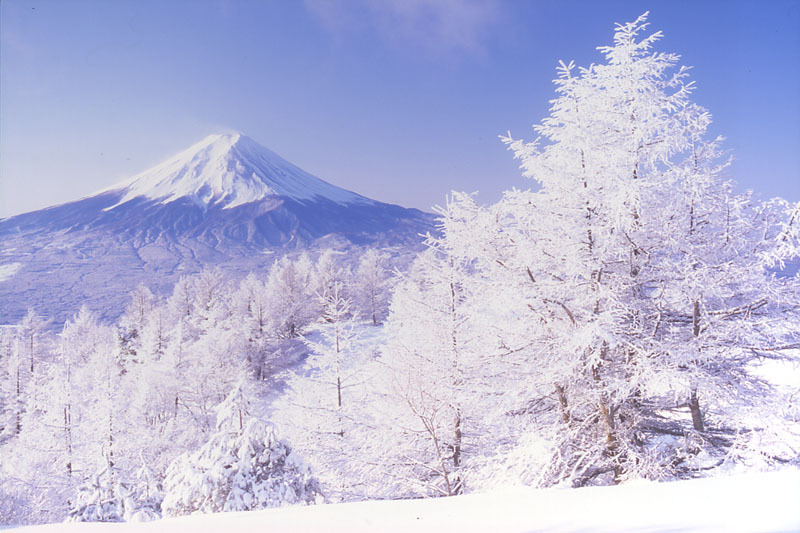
(227, 170)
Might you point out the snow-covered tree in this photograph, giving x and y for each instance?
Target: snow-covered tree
(14, 379)
(179, 302)
(645, 281)
(244, 466)
(254, 320)
(59, 442)
(146, 494)
(329, 272)
(138, 310)
(629, 293)
(210, 293)
(325, 413)
(291, 296)
(22, 349)
(101, 499)
(32, 335)
(252, 303)
(371, 285)
(432, 357)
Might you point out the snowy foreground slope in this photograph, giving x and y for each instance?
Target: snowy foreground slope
(745, 502)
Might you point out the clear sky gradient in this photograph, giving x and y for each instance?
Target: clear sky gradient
(399, 100)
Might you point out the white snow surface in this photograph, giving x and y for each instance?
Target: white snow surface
(8, 270)
(228, 170)
(745, 502)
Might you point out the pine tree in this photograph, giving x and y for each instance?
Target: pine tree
(101, 499)
(243, 466)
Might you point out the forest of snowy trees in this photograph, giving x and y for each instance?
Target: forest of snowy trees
(93, 417)
(611, 323)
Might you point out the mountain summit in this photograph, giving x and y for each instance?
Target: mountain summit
(226, 201)
(228, 170)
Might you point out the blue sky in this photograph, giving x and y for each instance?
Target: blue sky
(399, 100)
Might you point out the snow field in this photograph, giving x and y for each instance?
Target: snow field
(8, 270)
(755, 502)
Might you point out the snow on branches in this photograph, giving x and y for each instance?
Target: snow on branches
(243, 466)
(628, 301)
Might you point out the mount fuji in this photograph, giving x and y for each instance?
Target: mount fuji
(226, 201)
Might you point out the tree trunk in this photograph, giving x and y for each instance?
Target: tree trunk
(68, 437)
(607, 415)
(562, 399)
(694, 400)
(457, 453)
(441, 459)
(18, 401)
(111, 444)
(697, 415)
(31, 353)
(611, 440)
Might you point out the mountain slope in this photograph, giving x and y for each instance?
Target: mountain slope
(226, 201)
(227, 171)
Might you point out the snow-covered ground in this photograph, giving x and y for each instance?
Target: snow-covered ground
(745, 502)
(8, 270)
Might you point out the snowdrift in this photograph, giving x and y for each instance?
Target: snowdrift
(744, 502)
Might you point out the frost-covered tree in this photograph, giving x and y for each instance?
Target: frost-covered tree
(291, 296)
(146, 494)
(101, 499)
(179, 302)
(252, 302)
(138, 310)
(22, 349)
(339, 343)
(253, 318)
(210, 291)
(102, 400)
(434, 364)
(629, 292)
(329, 272)
(371, 285)
(60, 440)
(326, 411)
(243, 466)
(14, 379)
(32, 335)
(78, 342)
(639, 216)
